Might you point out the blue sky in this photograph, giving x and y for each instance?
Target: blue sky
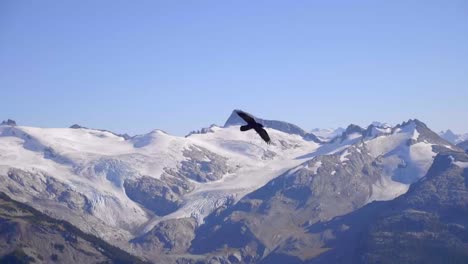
(132, 66)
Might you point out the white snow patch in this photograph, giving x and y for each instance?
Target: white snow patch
(415, 134)
(344, 155)
(314, 168)
(354, 136)
(461, 164)
(386, 190)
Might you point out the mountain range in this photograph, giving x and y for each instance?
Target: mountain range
(450, 136)
(353, 195)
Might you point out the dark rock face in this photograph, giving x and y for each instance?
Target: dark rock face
(354, 129)
(450, 136)
(154, 194)
(46, 187)
(314, 214)
(428, 224)
(235, 120)
(463, 145)
(76, 126)
(273, 216)
(351, 129)
(426, 134)
(28, 236)
(170, 236)
(201, 165)
(8, 122)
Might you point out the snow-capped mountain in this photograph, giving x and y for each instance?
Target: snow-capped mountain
(425, 225)
(381, 124)
(353, 170)
(140, 192)
(235, 120)
(450, 136)
(114, 187)
(327, 134)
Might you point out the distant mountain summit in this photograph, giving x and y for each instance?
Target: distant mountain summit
(235, 120)
(450, 136)
(286, 127)
(326, 134)
(205, 198)
(8, 122)
(381, 124)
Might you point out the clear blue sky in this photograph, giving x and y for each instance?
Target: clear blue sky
(132, 66)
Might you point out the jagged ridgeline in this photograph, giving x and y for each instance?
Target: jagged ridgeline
(221, 196)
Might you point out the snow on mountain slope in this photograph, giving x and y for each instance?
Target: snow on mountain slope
(342, 176)
(235, 120)
(327, 133)
(94, 166)
(256, 163)
(121, 188)
(450, 136)
(404, 152)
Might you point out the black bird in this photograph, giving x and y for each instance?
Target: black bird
(251, 123)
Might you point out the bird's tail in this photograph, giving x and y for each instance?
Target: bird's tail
(245, 128)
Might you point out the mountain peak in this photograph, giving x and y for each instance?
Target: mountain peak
(282, 126)
(354, 129)
(450, 136)
(415, 122)
(76, 126)
(235, 120)
(380, 124)
(9, 122)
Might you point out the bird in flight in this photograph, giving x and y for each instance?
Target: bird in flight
(251, 123)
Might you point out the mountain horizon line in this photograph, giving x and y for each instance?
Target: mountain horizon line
(12, 122)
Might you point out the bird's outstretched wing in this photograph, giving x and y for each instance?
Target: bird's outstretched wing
(247, 118)
(262, 132)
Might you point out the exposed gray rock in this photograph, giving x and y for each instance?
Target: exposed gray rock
(202, 165)
(8, 122)
(449, 136)
(76, 126)
(46, 187)
(373, 131)
(463, 145)
(286, 127)
(154, 194)
(351, 129)
(453, 138)
(319, 190)
(170, 236)
(426, 134)
(428, 224)
(28, 236)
